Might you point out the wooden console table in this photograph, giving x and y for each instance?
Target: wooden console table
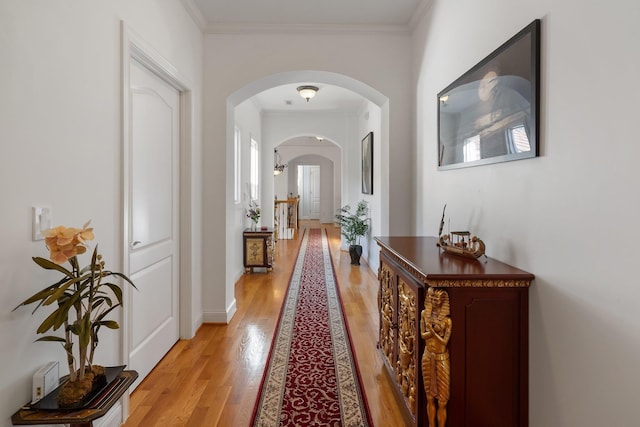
(258, 249)
(79, 417)
(483, 303)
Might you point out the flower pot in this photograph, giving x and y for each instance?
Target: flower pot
(75, 394)
(355, 251)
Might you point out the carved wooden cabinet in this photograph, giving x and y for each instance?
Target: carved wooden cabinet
(258, 249)
(400, 297)
(484, 364)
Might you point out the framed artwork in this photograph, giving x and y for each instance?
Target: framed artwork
(367, 164)
(491, 113)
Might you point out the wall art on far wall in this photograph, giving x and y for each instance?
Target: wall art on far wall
(367, 164)
(491, 113)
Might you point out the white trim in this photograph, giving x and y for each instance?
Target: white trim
(262, 28)
(135, 48)
(223, 317)
(195, 13)
(421, 10)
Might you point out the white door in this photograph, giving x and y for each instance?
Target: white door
(314, 192)
(309, 191)
(153, 218)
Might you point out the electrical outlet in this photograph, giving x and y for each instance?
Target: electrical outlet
(45, 380)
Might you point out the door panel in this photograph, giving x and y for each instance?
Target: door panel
(152, 159)
(309, 191)
(153, 219)
(314, 192)
(150, 282)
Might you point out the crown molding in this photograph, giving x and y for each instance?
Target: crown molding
(423, 7)
(196, 14)
(261, 28)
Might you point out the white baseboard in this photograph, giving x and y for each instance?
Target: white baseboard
(220, 316)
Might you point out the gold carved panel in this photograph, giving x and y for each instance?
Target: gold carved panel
(255, 251)
(435, 329)
(406, 368)
(386, 303)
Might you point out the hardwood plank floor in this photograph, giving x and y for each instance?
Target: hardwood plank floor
(213, 379)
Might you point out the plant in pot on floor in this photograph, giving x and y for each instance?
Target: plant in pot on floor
(81, 300)
(353, 226)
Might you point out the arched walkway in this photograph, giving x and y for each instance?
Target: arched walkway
(233, 259)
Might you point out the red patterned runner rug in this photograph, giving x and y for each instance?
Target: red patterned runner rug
(311, 377)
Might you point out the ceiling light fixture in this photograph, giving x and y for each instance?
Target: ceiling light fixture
(307, 92)
(278, 166)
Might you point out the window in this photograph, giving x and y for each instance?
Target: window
(237, 171)
(518, 139)
(254, 172)
(472, 148)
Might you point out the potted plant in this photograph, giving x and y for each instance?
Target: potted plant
(81, 300)
(353, 226)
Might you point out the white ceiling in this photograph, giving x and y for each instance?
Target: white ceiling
(329, 98)
(216, 16)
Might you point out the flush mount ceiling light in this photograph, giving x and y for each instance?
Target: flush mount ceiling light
(307, 92)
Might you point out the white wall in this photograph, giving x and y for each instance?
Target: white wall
(370, 120)
(569, 216)
(248, 120)
(60, 145)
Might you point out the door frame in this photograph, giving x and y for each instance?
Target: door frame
(135, 48)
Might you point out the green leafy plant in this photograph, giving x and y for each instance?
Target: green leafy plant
(81, 298)
(353, 225)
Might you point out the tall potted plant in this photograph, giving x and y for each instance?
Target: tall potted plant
(353, 226)
(81, 301)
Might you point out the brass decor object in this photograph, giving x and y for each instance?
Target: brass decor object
(406, 366)
(435, 328)
(460, 242)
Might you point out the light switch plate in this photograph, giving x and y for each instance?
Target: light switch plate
(41, 221)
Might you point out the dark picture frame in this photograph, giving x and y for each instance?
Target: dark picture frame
(491, 113)
(367, 164)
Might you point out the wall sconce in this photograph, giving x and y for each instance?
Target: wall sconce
(307, 92)
(278, 166)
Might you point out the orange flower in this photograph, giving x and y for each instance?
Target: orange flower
(65, 243)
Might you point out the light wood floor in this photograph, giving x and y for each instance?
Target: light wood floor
(213, 379)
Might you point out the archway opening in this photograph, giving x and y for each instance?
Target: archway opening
(273, 129)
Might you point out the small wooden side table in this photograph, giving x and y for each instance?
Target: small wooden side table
(79, 417)
(258, 249)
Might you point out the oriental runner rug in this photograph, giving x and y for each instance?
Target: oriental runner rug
(311, 377)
